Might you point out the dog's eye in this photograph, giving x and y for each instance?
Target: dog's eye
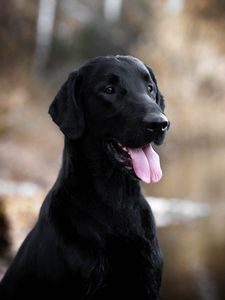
(150, 88)
(109, 90)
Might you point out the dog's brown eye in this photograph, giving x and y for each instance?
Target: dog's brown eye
(150, 88)
(109, 90)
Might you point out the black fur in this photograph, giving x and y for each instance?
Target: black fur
(95, 237)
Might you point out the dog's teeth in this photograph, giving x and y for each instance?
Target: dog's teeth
(122, 147)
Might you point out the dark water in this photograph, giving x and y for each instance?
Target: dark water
(193, 247)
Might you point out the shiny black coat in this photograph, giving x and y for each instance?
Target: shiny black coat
(95, 237)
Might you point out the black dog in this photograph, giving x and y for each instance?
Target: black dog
(95, 237)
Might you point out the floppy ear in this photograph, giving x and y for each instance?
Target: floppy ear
(66, 110)
(159, 96)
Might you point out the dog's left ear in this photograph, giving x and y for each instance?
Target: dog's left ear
(159, 96)
(66, 110)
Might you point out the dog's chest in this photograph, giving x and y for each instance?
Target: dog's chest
(131, 262)
(126, 254)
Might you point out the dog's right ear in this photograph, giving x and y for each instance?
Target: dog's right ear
(66, 110)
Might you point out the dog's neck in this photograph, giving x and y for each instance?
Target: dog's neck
(93, 186)
(85, 160)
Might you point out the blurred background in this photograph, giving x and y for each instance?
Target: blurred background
(183, 41)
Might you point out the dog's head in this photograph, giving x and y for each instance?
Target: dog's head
(116, 99)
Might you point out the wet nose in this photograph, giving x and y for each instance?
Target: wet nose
(158, 125)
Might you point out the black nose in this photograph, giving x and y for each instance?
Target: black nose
(158, 125)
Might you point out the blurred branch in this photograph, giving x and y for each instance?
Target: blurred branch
(175, 7)
(112, 10)
(45, 28)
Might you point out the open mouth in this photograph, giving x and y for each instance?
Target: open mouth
(142, 162)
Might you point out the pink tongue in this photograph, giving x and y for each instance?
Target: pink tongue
(146, 164)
